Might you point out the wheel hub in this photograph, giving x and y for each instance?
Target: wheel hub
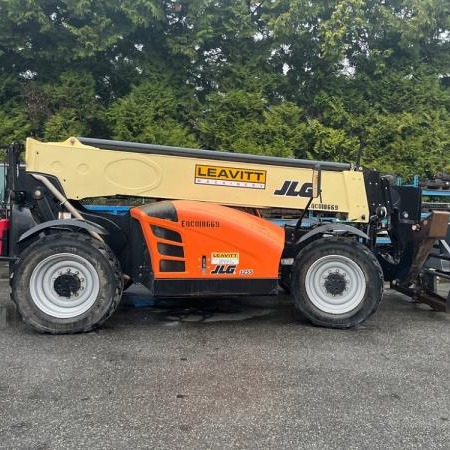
(335, 283)
(67, 285)
(64, 285)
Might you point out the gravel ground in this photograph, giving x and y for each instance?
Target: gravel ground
(229, 374)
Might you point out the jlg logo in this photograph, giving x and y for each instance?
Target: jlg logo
(224, 270)
(289, 189)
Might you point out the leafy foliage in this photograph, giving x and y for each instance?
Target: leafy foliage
(153, 112)
(349, 80)
(243, 122)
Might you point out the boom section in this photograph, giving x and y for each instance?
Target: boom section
(95, 167)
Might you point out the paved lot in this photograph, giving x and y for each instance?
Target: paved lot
(230, 374)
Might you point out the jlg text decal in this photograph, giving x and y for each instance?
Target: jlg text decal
(224, 270)
(289, 189)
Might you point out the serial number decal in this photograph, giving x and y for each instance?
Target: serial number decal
(324, 207)
(224, 258)
(200, 223)
(230, 176)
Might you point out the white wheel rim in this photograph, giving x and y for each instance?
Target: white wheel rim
(351, 284)
(49, 300)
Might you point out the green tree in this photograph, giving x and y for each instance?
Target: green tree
(154, 112)
(353, 80)
(244, 122)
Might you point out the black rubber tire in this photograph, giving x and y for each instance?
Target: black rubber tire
(363, 258)
(92, 250)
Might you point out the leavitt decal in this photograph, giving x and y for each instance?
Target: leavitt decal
(230, 176)
(225, 258)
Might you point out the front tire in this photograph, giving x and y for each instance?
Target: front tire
(336, 282)
(66, 283)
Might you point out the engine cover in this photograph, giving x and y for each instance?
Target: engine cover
(190, 240)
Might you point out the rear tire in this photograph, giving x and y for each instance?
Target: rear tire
(336, 282)
(66, 283)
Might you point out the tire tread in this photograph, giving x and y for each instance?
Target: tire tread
(83, 240)
(375, 290)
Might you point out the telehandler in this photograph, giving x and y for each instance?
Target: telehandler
(197, 232)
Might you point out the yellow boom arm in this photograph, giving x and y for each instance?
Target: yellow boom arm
(116, 168)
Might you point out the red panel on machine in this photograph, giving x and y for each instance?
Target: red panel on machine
(4, 227)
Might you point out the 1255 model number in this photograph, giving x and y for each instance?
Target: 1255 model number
(246, 272)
